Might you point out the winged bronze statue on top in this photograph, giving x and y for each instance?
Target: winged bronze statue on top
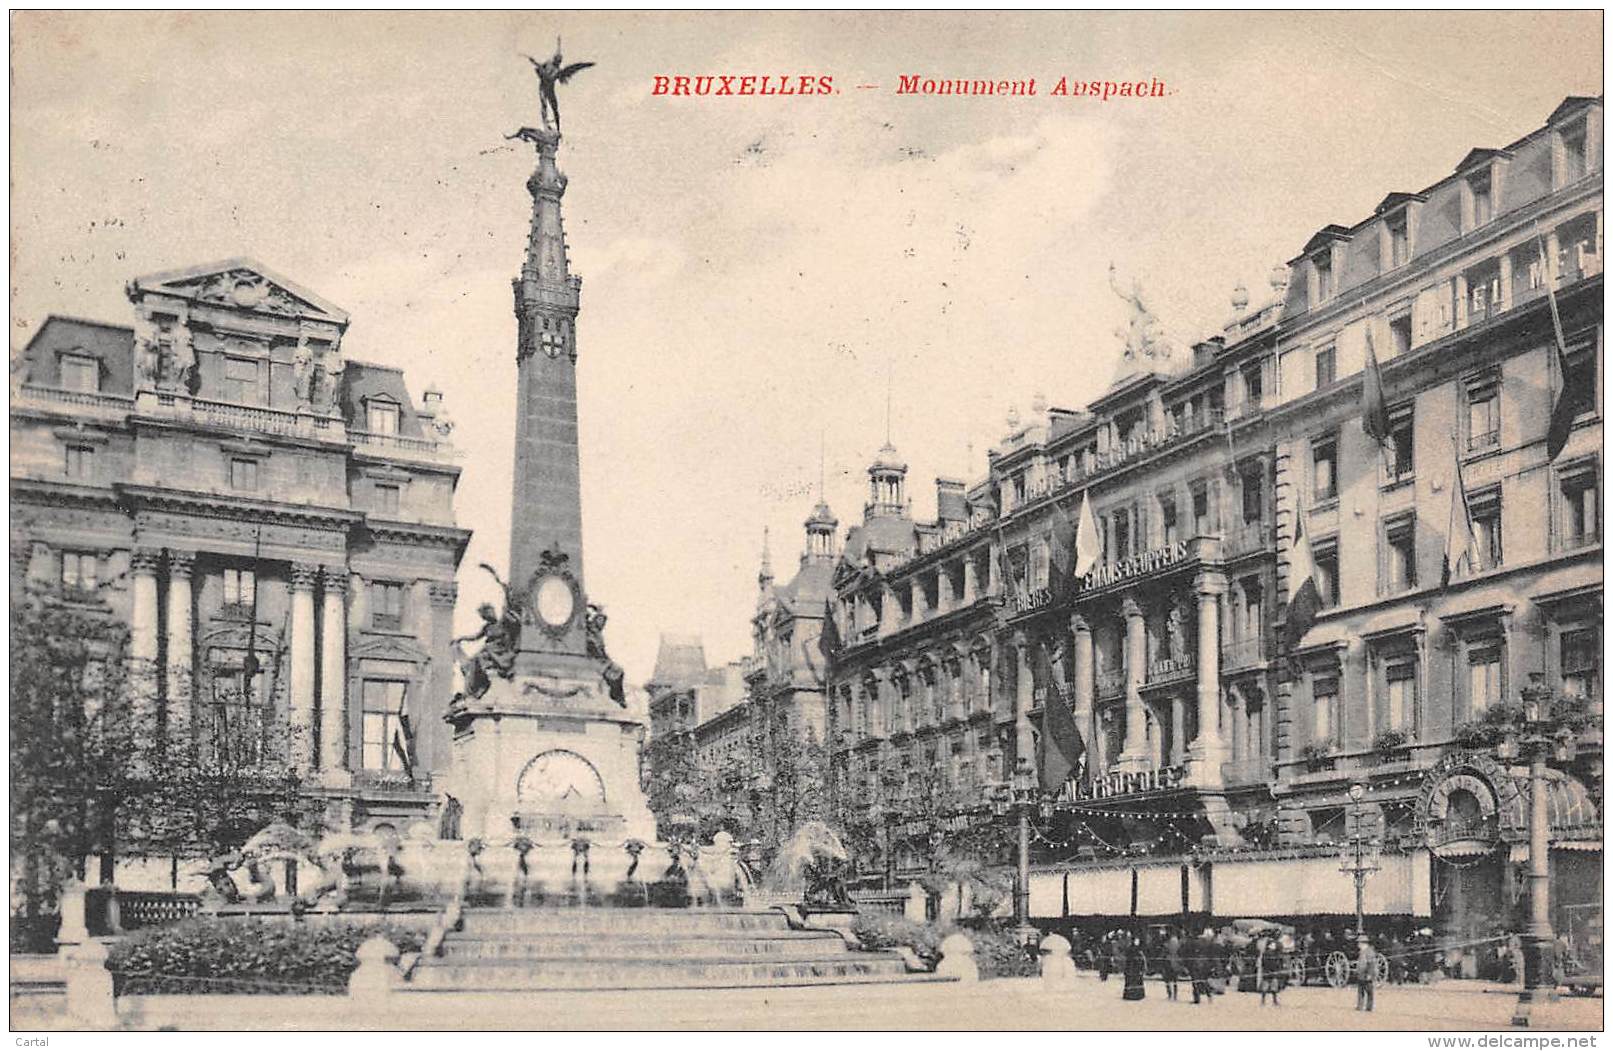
(549, 74)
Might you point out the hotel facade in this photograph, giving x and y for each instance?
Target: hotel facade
(1217, 771)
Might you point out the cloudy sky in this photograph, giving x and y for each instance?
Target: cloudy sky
(758, 271)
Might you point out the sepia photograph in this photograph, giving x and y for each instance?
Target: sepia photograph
(872, 521)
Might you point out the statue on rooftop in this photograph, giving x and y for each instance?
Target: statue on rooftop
(1143, 337)
(550, 73)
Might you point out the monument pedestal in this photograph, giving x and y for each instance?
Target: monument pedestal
(553, 752)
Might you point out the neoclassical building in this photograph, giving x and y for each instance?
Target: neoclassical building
(1217, 770)
(220, 475)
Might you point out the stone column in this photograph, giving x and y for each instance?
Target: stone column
(1024, 698)
(1506, 281)
(1208, 751)
(333, 674)
(1082, 684)
(302, 663)
(1134, 752)
(181, 666)
(1238, 715)
(431, 746)
(995, 680)
(1178, 729)
(890, 614)
(971, 587)
(143, 629)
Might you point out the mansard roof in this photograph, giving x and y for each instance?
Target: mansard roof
(1568, 105)
(1479, 156)
(111, 345)
(1398, 198)
(365, 380)
(1326, 236)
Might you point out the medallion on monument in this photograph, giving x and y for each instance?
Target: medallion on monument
(554, 594)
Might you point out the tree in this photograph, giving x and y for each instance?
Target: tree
(72, 742)
(99, 768)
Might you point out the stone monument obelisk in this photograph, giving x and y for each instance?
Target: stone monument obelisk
(541, 733)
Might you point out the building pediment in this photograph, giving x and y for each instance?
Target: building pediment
(239, 285)
(389, 648)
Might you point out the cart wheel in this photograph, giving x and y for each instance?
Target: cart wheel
(1338, 969)
(1382, 969)
(1296, 971)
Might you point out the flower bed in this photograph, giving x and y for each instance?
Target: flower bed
(208, 955)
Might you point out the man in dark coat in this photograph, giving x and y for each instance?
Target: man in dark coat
(1200, 955)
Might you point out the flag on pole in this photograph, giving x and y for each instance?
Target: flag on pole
(1568, 401)
(1060, 747)
(1062, 553)
(829, 637)
(1374, 413)
(403, 738)
(1088, 544)
(1461, 541)
(1303, 597)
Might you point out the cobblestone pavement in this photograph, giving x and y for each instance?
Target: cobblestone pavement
(1009, 1004)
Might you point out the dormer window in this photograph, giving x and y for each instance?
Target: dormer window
(1322, 269)
(381, 417)
(1483, 199)
(1399, 241)
(80, 372)
(1574, 154)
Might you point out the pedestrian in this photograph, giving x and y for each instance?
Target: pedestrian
(1198, 964)
(1269, 971)
(1366, 975)
(1136, 970)
(1171, 967)
(1105, 956)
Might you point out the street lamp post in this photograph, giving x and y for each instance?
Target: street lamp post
(1360, 857)
(1024, 789)
(1537, 741)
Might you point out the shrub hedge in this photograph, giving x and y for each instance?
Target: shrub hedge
(210, 955)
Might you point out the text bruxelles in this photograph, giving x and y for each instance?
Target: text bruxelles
(736, 84)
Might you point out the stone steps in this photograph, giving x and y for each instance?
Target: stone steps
(504, 922)
(532, 949)
(643, 973)
(618, 945)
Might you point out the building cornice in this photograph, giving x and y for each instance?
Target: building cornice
(218, 505)
(65, 493)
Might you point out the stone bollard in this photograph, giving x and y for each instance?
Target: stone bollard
(90, 1000)
(958, 959)
(372, 983)
(917, 906)
(74, 929)
(1058, 967)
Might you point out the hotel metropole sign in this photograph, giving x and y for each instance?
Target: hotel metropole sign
(1138, 565)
